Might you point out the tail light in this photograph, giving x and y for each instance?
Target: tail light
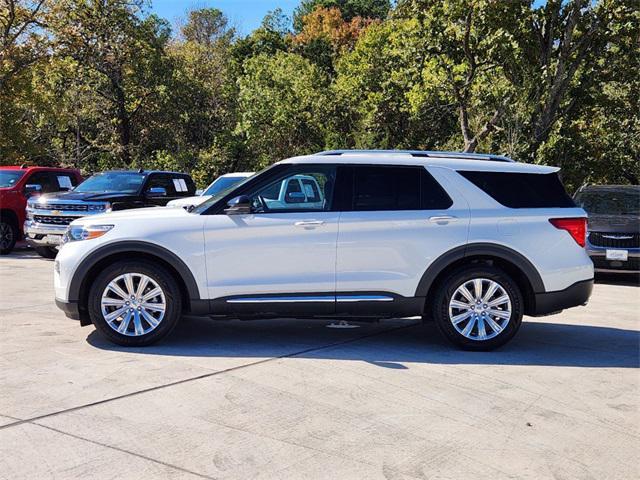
(577, 228)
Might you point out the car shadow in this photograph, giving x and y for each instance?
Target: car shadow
(623, 279)
(24, 252)
(392, 344)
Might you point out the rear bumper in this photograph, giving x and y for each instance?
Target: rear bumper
(573, 296)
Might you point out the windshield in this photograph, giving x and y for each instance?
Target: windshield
(620, 202)
(205, 205)
(222, 183)
(8, 178)
(121, 182)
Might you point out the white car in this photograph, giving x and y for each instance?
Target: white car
(471, 241)
(219, 185)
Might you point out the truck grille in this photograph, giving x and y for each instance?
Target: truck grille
(53, 220)
(69, 207)
(615, 239)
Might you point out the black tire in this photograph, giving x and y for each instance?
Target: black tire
(165, 281)
(8, 236)
(448, 287)
(46, 252)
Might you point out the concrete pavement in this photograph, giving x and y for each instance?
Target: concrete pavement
(294, 399)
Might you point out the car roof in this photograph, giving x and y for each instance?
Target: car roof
(143, 172)
(451, 160)
(237, 174)
(32, 168)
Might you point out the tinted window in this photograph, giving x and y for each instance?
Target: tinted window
(610, 202)
(124, 182)
(166, 182)
(45, 180)
(396, 188)
(522, 190)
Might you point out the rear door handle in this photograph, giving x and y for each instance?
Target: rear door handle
(443, 219)
(309, 223)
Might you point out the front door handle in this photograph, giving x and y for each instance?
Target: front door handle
(442, 219)
(309, 223)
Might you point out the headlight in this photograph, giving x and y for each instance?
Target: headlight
(76, 233)
(104, 207)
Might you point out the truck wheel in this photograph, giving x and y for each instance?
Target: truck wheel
(478, 308)
(8, 236)
(134, 303)
(46, 252)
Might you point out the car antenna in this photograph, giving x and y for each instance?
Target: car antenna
(141, 170)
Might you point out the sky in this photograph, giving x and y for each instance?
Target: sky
(245, 15)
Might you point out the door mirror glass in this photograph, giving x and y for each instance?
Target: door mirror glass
(240, 205)
(32, 189)
(156, 192)
(296, 197)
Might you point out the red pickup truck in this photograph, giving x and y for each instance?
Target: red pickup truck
(17, 184)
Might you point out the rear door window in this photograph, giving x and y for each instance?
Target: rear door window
(522, 190)
(384, 188)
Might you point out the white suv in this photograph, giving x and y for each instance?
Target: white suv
(471, 241)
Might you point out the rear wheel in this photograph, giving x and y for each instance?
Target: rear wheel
(8, 236)
(134, 303)
(46, 252)
(478, 307)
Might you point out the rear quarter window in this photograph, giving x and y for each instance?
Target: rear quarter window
(522, 190)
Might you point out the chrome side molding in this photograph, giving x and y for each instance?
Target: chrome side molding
(312, 298)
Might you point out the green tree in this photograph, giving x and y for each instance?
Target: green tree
(122, 55)
(23, 44)
(283, 99)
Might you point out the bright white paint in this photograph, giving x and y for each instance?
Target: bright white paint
(350, 251)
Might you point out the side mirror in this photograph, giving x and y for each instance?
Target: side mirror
(296, 197)
(156, 192)
(32, 189)
(239, 206)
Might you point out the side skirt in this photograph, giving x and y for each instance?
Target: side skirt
(361, 305)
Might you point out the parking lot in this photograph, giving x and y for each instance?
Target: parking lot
(295, 399)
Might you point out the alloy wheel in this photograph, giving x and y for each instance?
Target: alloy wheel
(480, 309)
(6, 235)
(133, 304)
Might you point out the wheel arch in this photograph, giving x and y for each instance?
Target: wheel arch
(513, 263)
(99, 259)
(11, 215)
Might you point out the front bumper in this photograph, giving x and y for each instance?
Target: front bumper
(573, 296)
(43, 235)
(70, 309)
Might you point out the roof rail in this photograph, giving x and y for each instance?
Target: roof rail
(423, 153)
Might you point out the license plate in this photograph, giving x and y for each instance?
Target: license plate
(53, 239)
(617, 255)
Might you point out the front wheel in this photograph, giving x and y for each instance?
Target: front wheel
(478, 307)
(46, 252)
(134, 303)
(8, 236)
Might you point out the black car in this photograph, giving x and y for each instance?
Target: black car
(48, 215)
(613, 240)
